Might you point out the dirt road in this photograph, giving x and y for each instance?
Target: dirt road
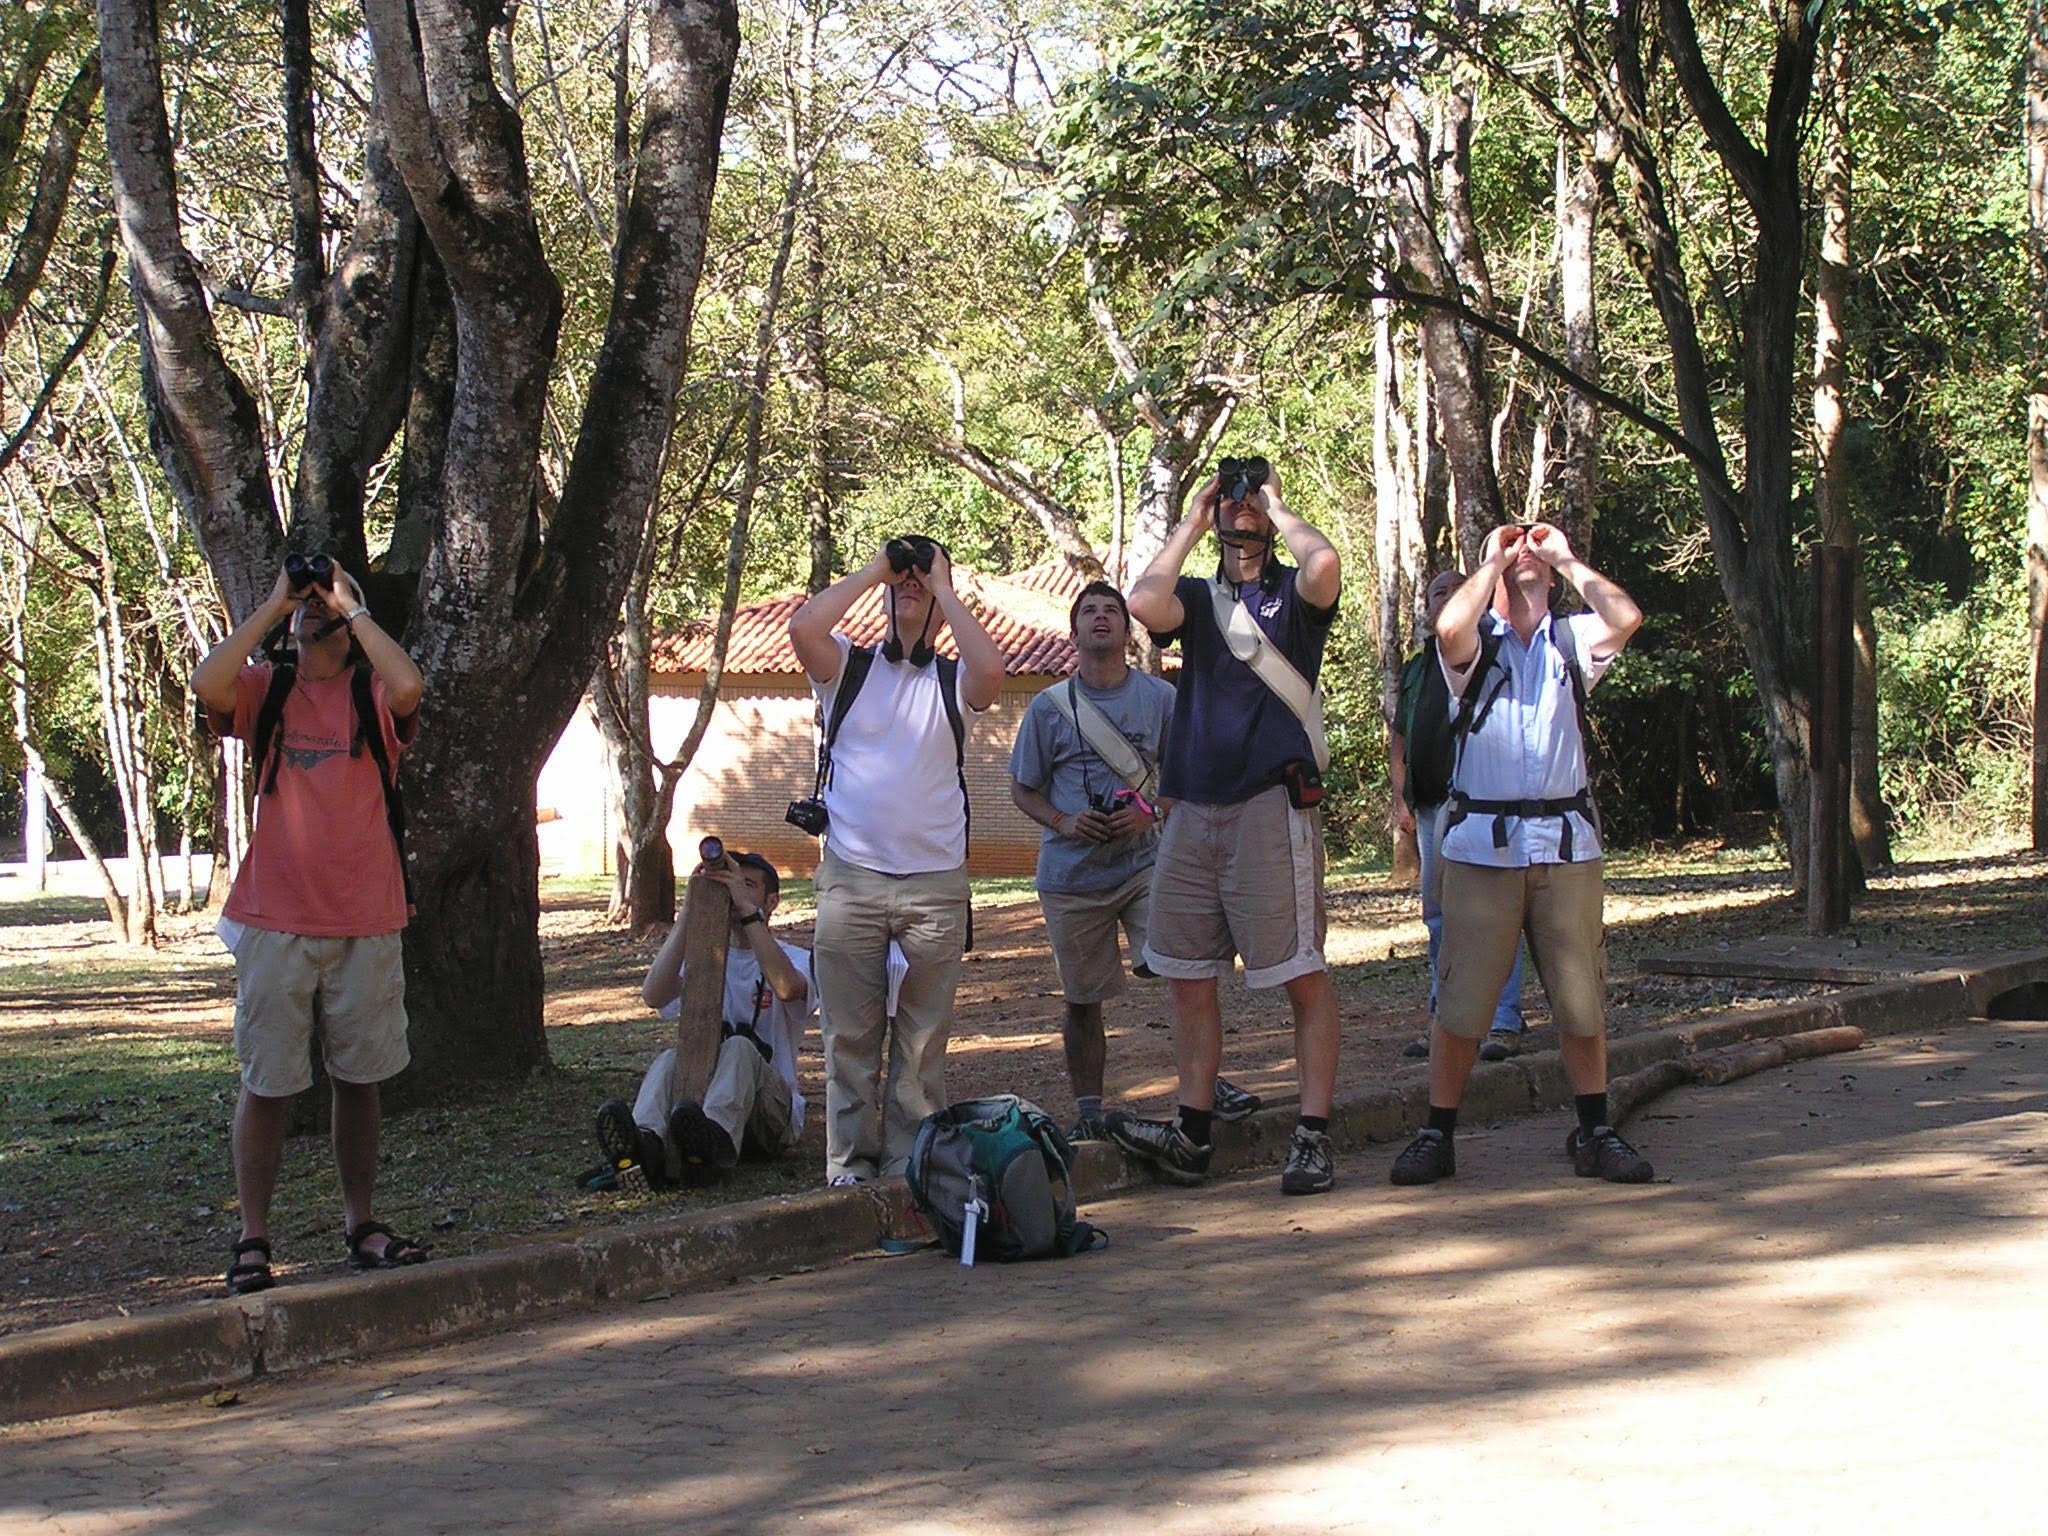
(1823, 1317)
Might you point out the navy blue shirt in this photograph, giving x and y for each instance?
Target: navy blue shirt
(1230, 732)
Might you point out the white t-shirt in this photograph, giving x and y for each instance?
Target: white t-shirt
(894, 798)
(751, 1001)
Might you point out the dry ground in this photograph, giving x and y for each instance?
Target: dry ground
(116, 1072)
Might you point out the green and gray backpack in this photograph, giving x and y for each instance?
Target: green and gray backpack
(1000, 1170)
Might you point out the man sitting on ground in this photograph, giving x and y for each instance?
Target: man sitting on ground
(752, 1104)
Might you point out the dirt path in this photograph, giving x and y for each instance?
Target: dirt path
(1824, 1317)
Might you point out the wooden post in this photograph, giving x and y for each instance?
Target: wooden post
(1827, 885)
(707, 923)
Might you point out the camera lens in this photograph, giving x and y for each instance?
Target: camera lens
(711, 851)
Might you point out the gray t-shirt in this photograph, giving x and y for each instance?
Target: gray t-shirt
(1051, 758)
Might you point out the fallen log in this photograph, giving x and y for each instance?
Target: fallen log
(1731, 1062)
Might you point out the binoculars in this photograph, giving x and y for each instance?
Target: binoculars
(1238, 478)
(913, 549)
(305, 572)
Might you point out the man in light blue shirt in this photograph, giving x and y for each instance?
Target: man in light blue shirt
(1521, 844)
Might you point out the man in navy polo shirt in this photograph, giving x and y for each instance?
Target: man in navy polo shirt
(1240, 865)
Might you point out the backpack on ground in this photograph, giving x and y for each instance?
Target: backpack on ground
(994, 1178)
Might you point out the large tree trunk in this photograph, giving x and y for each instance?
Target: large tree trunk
(1581, 180)
(509, 616)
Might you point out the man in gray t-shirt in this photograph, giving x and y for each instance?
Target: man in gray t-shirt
(1101, 830)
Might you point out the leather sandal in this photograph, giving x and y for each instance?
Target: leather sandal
(396, 1254)
(247, 1273)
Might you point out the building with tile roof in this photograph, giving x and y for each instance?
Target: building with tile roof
(761, 750)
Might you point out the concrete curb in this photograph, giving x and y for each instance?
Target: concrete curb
(175, 1351)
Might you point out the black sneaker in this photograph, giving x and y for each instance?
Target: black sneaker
(1417, 1049)
(1088, 1128)
(1160, 1144)
(1309, 1169)
(700, 1142)
(1500, 1044)
(1232, 1103)
(627, 1145)
(1429, 1157)
(1602, 1154)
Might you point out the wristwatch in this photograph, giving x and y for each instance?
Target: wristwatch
(353, 614)
(752, 917)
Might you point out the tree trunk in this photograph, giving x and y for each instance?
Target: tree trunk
(2037, 408)
(1389, 497)
(1580, 180)
(1868, 816)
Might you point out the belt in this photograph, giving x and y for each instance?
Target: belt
(1463, 805)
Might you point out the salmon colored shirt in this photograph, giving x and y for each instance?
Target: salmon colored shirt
(321, 861)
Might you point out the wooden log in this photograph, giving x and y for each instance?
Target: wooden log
(1751, 1056)
(707, 924)
(1626, 1095)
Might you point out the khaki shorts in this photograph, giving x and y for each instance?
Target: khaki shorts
(1082, 927)
(351, 990)
(1486, 913)
(1238, 880)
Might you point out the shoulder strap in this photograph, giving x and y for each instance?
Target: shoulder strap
(371, 730)
(949, 695)
(854, 672)
(1251, 645)
(1102, 737)
(269, 717)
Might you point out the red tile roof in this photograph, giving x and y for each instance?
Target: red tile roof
(1025, 614)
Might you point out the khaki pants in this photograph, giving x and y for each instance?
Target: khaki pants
(869, 1123)
(747, 1099)
(1486, 913)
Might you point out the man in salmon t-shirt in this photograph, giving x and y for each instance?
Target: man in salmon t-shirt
(316, 917)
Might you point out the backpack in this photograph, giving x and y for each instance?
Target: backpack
(1471, 714)
(994, 1178)
(369, 733)
(859, 662)
(1432, 747)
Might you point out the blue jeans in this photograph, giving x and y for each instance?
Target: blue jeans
(1429, 841)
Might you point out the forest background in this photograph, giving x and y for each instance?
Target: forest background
(450, 289)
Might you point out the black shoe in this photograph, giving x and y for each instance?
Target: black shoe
(1232, 1104)
(1088, 1128)
(1160, 1144)
(700, 1142)
(1429, 1157)
(1417, 1049)
(1309, 1169)
(627, 1145)
(1602, 1154)
(1500, 1044)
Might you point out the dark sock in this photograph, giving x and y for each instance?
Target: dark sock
(1592, 1109)
(1316, 1123)
(1088, 1105)
(1194, 1124)
(1441, 1119)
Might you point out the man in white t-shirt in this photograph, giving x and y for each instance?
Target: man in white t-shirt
(752, 1104)
(895, 864)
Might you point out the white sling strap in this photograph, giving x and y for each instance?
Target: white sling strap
(1103, 738)
(1250, 645)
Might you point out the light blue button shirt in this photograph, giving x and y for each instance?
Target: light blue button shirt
(1527, 749)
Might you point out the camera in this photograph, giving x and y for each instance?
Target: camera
(711, 852)
(1239, 478)
(807, 815)
(305, 572)
(913, 549)
(1124, 795)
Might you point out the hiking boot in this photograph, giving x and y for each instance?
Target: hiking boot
(1088, 1128)
(1160, 1144)
(1232, 1103)
(700, 1142)
(1417, 1049)
(1500, 1044)
(628, 1145)
(1601, 1154)
(1429, 1157)
(1309, 1170)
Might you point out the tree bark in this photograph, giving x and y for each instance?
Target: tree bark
(2037, 408)
(68, 128)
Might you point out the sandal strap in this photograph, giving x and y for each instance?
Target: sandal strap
(251, 1245)
(355, 1235)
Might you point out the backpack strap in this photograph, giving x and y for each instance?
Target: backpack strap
(267, 748)
(1255, 648)
(859, 662)
(370, 731)
(949, 695)
(1472, 712)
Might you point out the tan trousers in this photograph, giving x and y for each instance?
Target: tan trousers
(1487, 911)
(869, 1122)
(747, 1099)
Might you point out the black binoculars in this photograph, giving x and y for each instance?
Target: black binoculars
(307, 571)
(1238, 478)
(913, 549)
